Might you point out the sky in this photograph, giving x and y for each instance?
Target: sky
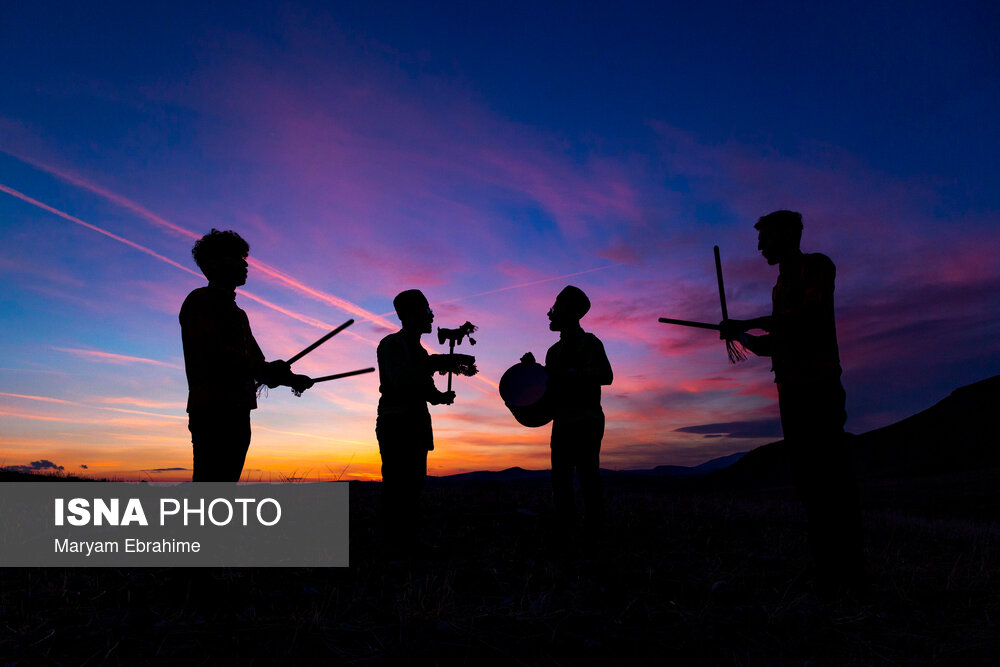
(488, 154)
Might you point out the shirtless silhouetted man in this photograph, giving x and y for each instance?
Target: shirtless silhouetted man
(223, 361)
(801, 340)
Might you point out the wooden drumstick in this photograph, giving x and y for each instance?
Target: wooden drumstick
(320, 341)
(337, 376)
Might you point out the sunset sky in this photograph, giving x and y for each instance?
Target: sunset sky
(488, 154)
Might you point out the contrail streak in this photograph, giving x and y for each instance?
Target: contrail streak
(152, 253)
(48, 399)
(124, 202)
(143, 412)
(69, 420)
(159, 221)
(45, 418)
(39, 398)
(330, 299)
(78, 221)
(113, 357)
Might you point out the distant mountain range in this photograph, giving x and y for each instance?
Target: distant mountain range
(960, 433)
(520, 474)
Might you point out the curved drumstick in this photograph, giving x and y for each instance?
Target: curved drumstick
(718, 275)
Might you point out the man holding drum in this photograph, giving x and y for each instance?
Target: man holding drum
(577, 367)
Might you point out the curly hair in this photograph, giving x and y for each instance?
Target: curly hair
(218, 244)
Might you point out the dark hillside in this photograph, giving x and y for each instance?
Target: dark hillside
(959, 434)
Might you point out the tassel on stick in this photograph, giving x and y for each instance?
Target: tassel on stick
(734, 349)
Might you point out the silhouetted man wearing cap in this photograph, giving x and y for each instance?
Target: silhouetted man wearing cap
(223, 362)
(801, 340)
(403, 426)
(577, 367)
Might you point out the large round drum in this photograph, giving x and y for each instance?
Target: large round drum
(522, 388)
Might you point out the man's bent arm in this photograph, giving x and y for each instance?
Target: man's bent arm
(398, 372)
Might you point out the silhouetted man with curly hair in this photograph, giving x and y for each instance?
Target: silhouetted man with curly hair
(223, 361)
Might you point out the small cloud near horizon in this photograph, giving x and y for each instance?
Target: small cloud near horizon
(36, 466)
(759, 428)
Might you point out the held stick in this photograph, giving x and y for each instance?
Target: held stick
(718, 275)
(320, 341)
(451, 352)
(454, 337)
(689, 323)
(733, 349)
(337, 376)
(311, 348)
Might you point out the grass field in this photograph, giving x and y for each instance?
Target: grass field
(682, 576)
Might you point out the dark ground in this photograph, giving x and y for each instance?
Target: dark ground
(685, 575)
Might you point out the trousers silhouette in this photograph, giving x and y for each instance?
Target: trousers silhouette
(812, 418)
(220, 440)
(576, 445)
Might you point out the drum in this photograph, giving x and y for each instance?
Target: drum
(522, 388)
